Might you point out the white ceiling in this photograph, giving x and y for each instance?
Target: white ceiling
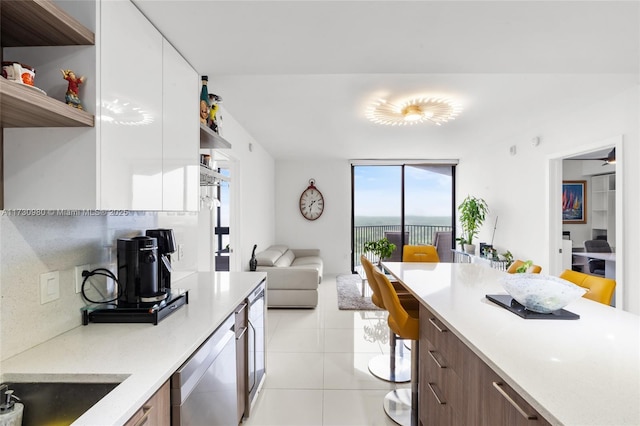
(297, 75)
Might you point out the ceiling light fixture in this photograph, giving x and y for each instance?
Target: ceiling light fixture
(436, 110)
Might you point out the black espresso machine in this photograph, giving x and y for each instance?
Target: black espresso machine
(144, 281)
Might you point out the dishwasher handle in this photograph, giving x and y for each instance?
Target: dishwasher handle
(255, 374)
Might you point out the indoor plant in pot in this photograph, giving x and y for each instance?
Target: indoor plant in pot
(473, 212)
(381, 248)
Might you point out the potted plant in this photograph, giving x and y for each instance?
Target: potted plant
(473, 212)
(507, 256)
(381, 248)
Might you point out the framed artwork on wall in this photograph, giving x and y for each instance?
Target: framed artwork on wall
(574, 201)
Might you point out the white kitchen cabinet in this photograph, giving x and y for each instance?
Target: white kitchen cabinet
(180, 135)
(136, 147)
(131, 109)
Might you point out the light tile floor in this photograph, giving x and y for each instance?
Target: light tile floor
(317, 366)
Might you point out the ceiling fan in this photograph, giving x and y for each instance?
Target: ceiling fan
(610, 158)
(600, 155)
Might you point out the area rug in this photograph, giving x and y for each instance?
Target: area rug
(349, 296)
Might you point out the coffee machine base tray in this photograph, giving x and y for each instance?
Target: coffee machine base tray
(152, 315)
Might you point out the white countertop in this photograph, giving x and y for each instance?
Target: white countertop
(574, 372)
(142, 356)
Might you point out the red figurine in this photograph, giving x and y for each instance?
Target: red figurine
(72, 97)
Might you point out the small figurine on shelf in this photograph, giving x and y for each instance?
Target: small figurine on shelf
(214, 101)
(204, 102)
(71, 97)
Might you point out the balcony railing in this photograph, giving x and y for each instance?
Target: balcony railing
(417, 234)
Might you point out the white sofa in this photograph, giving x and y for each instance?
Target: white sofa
(293, 276)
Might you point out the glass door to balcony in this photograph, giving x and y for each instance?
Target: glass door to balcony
(405, 203)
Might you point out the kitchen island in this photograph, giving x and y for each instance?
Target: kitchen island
(141, 357)
(572, 372)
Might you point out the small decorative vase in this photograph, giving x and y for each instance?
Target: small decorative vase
(253, 262)
(470, 248)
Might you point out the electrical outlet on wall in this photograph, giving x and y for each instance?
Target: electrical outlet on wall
(79, 278)
(180, 251)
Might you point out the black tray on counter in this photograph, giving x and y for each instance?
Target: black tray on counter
(143, 314)
(512, 305)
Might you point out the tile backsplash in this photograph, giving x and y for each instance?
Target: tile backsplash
(34, 245)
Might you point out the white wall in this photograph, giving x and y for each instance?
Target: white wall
(515, 187)
(331, 232)
(252, 183)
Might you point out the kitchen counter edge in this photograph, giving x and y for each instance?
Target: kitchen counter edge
(144, 355)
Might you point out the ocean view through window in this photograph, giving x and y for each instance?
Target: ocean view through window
(405, 203)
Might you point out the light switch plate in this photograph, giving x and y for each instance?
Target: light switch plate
(49, 287)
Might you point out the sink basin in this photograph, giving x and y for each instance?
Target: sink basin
(49, 404)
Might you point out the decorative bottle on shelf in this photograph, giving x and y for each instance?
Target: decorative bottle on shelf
(204, 101)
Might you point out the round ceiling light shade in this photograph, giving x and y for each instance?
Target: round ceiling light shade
(413, 111)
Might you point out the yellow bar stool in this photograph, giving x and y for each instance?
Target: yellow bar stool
(600, 289)
(396, 366)
(420, 253)
(401, 405)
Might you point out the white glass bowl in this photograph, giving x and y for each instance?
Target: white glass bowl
(541, 293)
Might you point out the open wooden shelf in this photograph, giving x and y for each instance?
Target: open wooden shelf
(211, 140)
(40, 23)
(26, 107)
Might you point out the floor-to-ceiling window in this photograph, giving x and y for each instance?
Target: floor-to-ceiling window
(407, 203)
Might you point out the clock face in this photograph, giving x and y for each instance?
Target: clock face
(311, 203)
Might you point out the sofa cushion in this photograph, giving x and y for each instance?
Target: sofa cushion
(269, 256)
(285, 260)
(312, 261)
(279, 247)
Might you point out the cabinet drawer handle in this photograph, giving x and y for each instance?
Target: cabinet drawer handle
(244, 330)
(433, 391)
(515, 405)
(433, 357)
(240, 308)
(147, 410)
(441, 330)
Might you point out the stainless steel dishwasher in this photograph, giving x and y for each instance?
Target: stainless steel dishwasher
(204, 389)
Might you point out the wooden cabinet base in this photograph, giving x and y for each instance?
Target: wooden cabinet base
(458, 388)
(156, 411)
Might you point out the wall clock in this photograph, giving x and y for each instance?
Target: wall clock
(311, 202)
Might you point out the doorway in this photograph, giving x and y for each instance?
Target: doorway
(222, 242)
(218, 214)
(586, 165)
